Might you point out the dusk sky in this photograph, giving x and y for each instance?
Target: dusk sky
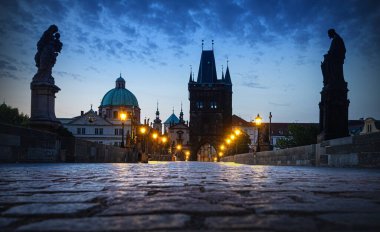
(274, 49)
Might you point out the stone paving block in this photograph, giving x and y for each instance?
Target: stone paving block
(127, 223)
(50, 198)
(267, 222)
(48, 209)
(185, 206)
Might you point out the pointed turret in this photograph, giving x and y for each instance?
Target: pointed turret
(228, 77)
(222, 74)
(181, 115)
(157, 120)
(191, 74)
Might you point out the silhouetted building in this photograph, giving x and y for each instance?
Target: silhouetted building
(210, 108)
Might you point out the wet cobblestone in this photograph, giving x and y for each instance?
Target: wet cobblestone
(187, 196)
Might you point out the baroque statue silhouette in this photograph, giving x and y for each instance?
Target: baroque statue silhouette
(48, 48)
(333, 107)
(42, 86)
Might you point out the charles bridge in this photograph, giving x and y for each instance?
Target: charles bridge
(189, 196)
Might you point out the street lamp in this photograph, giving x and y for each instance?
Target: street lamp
(258, 121)
(123, 118)
(143, 131)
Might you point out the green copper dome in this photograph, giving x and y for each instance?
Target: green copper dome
(119, 96)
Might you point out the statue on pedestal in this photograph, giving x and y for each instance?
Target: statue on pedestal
(42, 86)
(48, 48)
(333, 116)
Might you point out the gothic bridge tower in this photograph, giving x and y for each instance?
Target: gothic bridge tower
(210, 108)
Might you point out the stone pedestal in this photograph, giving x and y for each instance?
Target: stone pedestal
(43, 102)
(333, 108)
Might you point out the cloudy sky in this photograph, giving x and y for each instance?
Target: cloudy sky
(274, 50)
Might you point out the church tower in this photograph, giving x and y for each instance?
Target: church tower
(157, 125)
(210, 107)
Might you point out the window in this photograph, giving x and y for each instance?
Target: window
(81, 131)
(213, 105)
(199, 104)
(98, 131)
(115, 115)
(116, 131)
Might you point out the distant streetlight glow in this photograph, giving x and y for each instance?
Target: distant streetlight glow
(154, 136)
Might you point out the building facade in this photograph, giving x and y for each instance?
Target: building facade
(106, 126)
(210, 108)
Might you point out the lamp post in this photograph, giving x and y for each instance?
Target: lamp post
(123, 118)
(258, 121)
(270, 131)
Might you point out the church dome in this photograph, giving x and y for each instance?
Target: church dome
(119, 96)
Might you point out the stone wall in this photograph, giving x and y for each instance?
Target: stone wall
(304, 156)
(356, 151)
(20, 144)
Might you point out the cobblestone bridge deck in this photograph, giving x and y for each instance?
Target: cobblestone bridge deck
(187, 196)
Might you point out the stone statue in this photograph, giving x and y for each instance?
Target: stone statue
(42, 115)
(48, 48)
(333, 107)
(332, 66)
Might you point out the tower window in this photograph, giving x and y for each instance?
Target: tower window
(199, 104)
(213, 105)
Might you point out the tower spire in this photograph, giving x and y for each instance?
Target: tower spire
(228, 77)
(181, 115)
(191, 72)
(212, 42)
(202, 44)
(222, 73)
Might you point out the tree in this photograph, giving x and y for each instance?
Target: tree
(12, 116)
(299, 135)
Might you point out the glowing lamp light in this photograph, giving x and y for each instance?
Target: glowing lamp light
(222, 147)
(123, 116)
(154, 135)
(220, 154)
(237, 132)
(258, 120)
(142, 130)
(232, 137)
(164, 139)
(179, 147)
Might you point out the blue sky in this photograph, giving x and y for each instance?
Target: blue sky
(274, 50)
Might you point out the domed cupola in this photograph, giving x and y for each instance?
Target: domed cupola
(119, 96)
(120, 83)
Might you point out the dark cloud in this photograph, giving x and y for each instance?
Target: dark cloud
(65, 74)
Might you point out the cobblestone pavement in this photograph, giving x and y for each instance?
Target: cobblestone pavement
(187, 196)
